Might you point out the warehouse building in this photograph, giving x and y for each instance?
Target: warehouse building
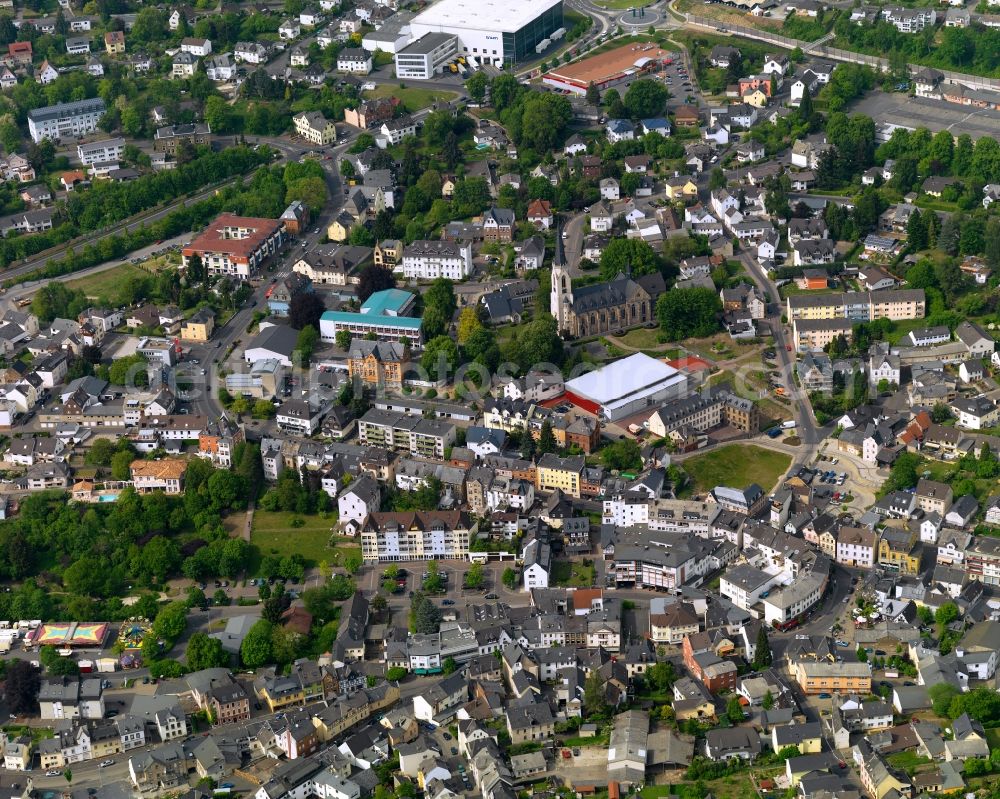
(497, 32)
(626, 387)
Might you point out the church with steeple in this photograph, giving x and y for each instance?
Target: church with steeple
(617, 305)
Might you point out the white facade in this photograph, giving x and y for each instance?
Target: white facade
(100, 152)
(428, 260)
(425, 57)
(65, 120)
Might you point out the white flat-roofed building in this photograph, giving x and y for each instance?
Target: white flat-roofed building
(793, 600)
(424, 58)
(497, 32)
(626, 387)
(429, 260)
(99, 152)
(65, 120)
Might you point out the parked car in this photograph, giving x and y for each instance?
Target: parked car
(53, 773)
(105, 763)
(825, 696)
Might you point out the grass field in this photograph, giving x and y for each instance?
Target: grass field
(734, 786)
(573, 573)
(736, 466)
(273, 534)
(413, 98)
(108, 283)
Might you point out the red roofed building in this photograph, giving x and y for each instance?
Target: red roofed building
(20, 52)
(913, 435)
(236, 245)
(540, 213)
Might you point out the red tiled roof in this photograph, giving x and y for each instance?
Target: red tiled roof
(213, 240)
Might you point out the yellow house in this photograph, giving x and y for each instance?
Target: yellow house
(315, 128)
(448, 188)
(878, 779)
(808, 738)
(898, 549)
(756, 98)
(199, 326)
(281, 692)
(340, 228)
(114, 42)
(388, 252)
(828, 543)
(563, 473)
(681, 188)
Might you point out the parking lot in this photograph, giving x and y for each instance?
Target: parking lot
(935, 115)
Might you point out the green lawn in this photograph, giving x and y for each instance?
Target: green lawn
(573, 573)
(273, 534)
(907, 761)
(643, 338)
(622, 4)
(736, 466)
(108, 283)
(413, 98)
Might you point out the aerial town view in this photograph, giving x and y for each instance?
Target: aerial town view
(499, 399)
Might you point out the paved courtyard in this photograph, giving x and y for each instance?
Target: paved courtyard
(935, 115)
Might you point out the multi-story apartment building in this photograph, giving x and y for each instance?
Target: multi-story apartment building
(100, 152)
(843, 678)
(236, 245)
(816, 334)
(414, 434)
(899, 550)
(377, 364)
(65, 120)
(315, 128)
(428, 260)
(565, 474)
(859, 306)
(416, 535)
(856, 546)
(705, 412)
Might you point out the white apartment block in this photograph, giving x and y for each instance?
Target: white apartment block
(65, 120)
(429, 260)
(99, 152)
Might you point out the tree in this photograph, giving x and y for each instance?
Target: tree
(476, 86)
(440, 356)
(946, 614)
(425, 617)
(660, 675)
(343, 339)
(509, 578)
(170, 622)
(305, 309)
(862, 655)
(396, 673)
(504, 90)
(628, 255)
(903, 474)
(449, 666)
(717, 179)
(768, 701)
(762, 657)
(353, 561)
(734, 710)
(256, 647)
(622, 455)
(21, 688)
(305, 344)
(942, 695)
(474, 577)
(645, 98)
(546, 438)
(805, 111)
(688, 313)
(593, 695)
(204, 652)
(468, 321)
(593, 96)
